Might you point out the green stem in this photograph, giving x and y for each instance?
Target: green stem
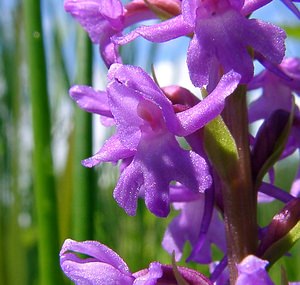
(238, 195)
(83, 182)
(44, 183)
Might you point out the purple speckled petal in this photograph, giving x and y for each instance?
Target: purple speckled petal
(189, 9)
(211, 106)
(134, 84)
(91, 100)
(104, 266)
(154, 168)
(197, 54)
(226, 37)
(102, 20)
(112, 11)
(112, 151)
(96, 250)
(108, 49)
(251, 271)
(128, 187)
(88, 14)
(158, 33)
(266, 39)
(124, 109)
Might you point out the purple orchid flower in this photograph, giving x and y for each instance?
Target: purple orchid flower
(103, 266)
(222, 35)
(198, 223)
(104, 18)
(251, 271)
(277, 90)
(146, 125)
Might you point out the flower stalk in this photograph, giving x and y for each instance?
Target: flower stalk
(240, 202)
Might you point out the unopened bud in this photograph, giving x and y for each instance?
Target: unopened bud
(281, 225)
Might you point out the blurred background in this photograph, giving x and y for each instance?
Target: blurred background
(44, 134)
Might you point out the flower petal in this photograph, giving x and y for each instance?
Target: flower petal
(158, 33)
(103, 267)
(112, 151)
(211, 106)
(91, 100)
(251, 271)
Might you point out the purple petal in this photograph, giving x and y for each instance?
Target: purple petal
(128, 187)
(251, 271)
(112, 11)
(189, 9)
(96, 250)
(186, 227)
(224, 39)
(135, 84)
(211, 106)
(152, 170)
(91, 100)
(104, 266)
(199, 61)
(158, 33)
(267, 39)
(149, 276)
(124, 109)
(89, 15)
(112, 151)
(208, 209)
(277, 90)
(274, 98)
(108, 49)
(179, 193)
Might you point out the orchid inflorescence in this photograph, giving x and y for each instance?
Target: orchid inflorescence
(215, 182)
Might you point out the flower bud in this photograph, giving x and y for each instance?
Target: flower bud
(281, 225)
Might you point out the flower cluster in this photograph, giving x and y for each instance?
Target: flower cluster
(215, 182)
